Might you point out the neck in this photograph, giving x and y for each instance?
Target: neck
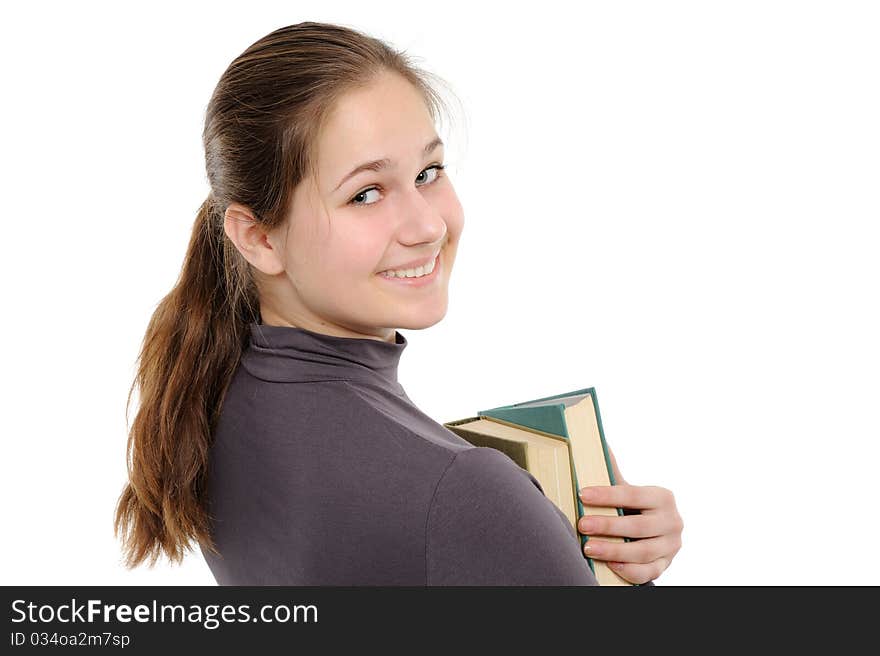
(270, 318)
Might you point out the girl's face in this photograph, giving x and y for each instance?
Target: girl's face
(352, 223)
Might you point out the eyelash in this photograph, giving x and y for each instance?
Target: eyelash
(439, 168)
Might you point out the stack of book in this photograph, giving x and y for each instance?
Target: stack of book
(560, 441)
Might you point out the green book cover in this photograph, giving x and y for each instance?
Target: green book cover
(548, 414)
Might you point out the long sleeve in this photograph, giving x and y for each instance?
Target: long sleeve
(490, 524)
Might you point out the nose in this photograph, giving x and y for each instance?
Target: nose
(423, 222)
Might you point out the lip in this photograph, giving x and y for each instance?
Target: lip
(416, 282)
(413, 264)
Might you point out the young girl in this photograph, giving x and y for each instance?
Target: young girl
(272, 428)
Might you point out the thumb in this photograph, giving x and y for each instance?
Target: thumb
(618, 477)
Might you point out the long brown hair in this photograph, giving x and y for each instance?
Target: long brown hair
(260, 132)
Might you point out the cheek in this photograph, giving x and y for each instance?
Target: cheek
(350, 261)
(454, 217)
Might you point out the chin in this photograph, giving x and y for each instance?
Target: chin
(419, 320)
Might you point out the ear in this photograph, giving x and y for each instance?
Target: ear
(252, 240)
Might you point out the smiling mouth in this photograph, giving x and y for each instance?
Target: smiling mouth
(415, 273)
(412, 271)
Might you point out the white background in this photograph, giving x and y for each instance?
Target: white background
(673, 202)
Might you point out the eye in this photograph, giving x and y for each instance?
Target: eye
(361, 195)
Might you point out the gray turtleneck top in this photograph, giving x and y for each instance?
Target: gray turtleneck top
(323, 472)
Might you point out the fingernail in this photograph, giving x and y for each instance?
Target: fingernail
(586, 494)
(585, 525)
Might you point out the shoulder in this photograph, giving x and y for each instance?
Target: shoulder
(330, 403)
(324, 426)
(485, 470)
(489, 523)
(486, 481)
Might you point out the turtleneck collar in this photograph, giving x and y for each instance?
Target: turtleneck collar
(290, 354)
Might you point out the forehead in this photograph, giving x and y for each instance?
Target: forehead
(388, 118)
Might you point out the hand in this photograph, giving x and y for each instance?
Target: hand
(658, 528)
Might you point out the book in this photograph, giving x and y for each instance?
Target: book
(533, 433)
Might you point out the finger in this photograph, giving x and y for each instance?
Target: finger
(644, 497)
(627, 526)
(640, 551)
(618, 477)
(638, 572)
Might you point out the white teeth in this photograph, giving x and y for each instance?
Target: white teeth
(411, 273)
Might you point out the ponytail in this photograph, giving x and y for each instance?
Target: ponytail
(192, 345)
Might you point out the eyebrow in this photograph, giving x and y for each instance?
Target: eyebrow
(379, 164)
